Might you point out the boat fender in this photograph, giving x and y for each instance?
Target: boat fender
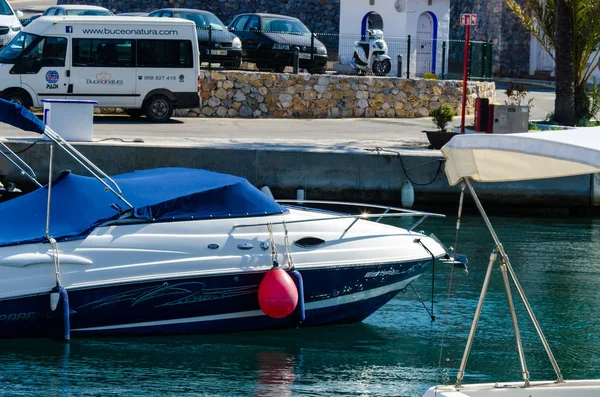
(298, 315)
(277, 293)
(59, 302)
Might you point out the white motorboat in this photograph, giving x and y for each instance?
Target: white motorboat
(516, 157)
(171, 251)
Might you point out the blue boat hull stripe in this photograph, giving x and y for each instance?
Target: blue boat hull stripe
(359, 296)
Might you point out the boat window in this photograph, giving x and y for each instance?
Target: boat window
(309, 242)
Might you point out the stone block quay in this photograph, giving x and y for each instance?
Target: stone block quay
(258, 94)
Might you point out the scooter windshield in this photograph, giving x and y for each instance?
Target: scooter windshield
(16, 46)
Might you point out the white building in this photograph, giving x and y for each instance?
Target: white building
(541, 61)
(426, 21)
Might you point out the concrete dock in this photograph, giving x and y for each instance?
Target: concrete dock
(364, 160)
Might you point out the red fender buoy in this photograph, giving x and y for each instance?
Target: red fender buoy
(277, 293)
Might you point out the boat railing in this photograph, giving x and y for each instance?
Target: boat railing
(18, 162)
(400, 213)
(87, 164)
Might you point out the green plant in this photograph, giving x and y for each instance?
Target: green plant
(517, 95)
(593, 100)
(442, 116)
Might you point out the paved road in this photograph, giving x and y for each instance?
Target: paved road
(281, 134)
(30, 7)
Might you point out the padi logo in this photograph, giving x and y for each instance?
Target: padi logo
(104, 78)
(181, 78)
(52, 78)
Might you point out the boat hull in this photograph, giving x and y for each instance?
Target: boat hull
(209, 304)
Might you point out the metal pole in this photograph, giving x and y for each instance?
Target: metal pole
(515, 323)
(443, 60)
(486, 282)
(312, 51)
(296, 60)
(464, 91)
(489, 59)
(483, 60)
(516, 281)
(408, 58)
(399, 66)
(209, 47)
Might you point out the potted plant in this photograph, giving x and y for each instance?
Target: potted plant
(441, 117)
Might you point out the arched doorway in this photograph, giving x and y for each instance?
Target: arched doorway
(426, 43)
(371, 20)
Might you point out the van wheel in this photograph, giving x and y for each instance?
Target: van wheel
(19, 97)
(159, 109)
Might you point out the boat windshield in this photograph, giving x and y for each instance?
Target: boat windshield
(17, 46)
(283, 25)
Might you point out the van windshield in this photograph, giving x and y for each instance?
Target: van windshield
(4, 8)
(12, 50)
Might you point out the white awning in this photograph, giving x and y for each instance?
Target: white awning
(522, 156)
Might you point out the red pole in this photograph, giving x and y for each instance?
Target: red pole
(465, 70)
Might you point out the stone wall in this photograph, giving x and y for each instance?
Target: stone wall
(254, 94)
(498, 23)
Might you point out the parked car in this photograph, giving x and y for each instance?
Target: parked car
(11, 24)
(269, 41)
(79, 10)
(216, 43)
(30, 19)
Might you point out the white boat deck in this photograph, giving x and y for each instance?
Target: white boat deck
(573, 388)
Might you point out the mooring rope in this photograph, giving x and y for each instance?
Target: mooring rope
(288, 251)
(460, 207)
(274, 252)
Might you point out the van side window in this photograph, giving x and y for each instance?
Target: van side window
(54, 51)
(164, 54)
(114, 53)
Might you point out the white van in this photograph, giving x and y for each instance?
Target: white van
(145, 65)
(10, 23)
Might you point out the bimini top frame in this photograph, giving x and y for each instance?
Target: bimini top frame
(18, 116)
(517, 157)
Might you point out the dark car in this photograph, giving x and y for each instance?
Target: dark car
(30, 19)
(216, 43)
(269, 41)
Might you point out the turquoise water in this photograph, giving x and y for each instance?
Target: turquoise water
(395, 352)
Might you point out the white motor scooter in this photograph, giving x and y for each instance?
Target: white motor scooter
(371, 55)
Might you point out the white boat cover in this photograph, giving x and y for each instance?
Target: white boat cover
(522, 156)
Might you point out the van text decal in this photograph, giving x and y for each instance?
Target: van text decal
(146, 32)
(104, 78)
(52, 78)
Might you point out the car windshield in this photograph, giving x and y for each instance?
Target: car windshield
(89, 12)
(4, 8)
(284, 25)
(202, 21)
(12, 50)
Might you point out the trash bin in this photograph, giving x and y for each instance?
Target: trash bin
(71, 119)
